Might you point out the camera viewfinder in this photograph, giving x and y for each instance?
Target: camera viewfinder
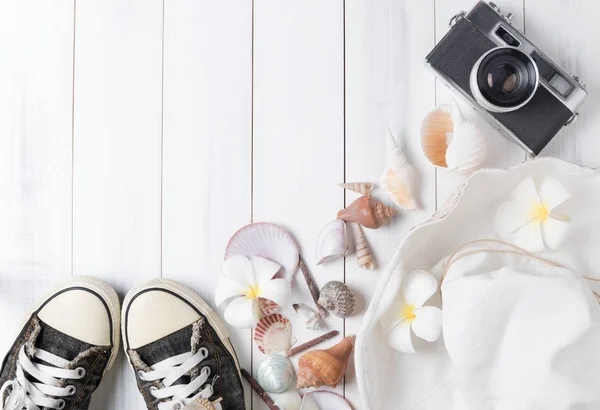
(507, 37)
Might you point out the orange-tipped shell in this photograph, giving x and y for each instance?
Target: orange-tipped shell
(367, 212)
(435, 131)
(324, 367)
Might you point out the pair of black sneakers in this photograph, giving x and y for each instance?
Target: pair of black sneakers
(176, 344)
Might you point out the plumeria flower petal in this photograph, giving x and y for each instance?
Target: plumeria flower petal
(241, 312)
(227, 289)
(427, 323)
(244, 282)
(264, 270)
(529, 218)
(400, 338)
(419, 286)
(238, 269)
(277, 290)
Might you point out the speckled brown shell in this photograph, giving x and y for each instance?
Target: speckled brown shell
(324, 367)
(338, 299)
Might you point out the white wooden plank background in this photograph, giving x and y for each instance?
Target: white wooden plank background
(136, 137)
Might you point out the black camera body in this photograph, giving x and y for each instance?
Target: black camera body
(509, 81)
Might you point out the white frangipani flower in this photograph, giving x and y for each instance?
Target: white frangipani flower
(244, 281)
(410, 316)
(529, 218)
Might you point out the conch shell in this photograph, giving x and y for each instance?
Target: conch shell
(363, 253)
(450, 141)
(338, 298)
(367, 212)
(324, 367)
(360, 187)
(398, 178)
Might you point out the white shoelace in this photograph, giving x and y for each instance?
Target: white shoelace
(26, 395)
(172, 369)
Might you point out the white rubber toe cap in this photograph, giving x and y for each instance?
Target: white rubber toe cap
(154, 314)
(80, 314)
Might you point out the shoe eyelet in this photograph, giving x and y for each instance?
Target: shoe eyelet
(80, 372)
(206, 370)
(177, 406)
(61, 404)
(72, 390)
(141, 374)
(204, 351)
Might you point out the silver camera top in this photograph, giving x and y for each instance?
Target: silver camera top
(509, 80)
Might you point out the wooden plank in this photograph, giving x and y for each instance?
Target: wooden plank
(501, 152)
(117, 156)
(207, 147)
(36, 68)
(299, 129)
(386, 86)
(567, 33)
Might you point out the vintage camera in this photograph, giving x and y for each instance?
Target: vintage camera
(508, 80)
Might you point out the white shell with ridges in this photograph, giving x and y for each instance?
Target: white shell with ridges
(273, 334)
(269, 241)
(398, 179)
(332, 243)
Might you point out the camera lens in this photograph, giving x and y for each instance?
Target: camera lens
(504, 79)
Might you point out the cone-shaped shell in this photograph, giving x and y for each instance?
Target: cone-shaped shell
(360, 187)
(324, 367)
(363, 253)
(367, 212)
(398, 177)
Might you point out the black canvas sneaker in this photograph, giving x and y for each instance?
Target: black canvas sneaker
(66, 345)
(179, 349)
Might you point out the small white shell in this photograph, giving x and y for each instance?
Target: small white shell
(289, 400)
(332, 242)
(328, 400)
(309, 316)
(269, 241)
(275, 374)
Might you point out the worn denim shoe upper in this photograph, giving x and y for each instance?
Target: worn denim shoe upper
(180, 350)
(62, 352)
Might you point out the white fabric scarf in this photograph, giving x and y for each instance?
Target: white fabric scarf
(523, 332)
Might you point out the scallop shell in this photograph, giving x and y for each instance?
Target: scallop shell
(269, 241)
(324, 367)
(329, 400)
(275, 374)
(338, 298)
(273, 334)
(309, 316)
(332, 242)
(363, 253)
(367, 212)
(360, 187)
(450, 141)
(267, 307)
(398, 179)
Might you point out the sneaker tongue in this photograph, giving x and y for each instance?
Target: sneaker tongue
(59, 344)
(172, 345)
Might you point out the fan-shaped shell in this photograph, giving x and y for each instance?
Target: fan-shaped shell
(275, 374)
(338, 299)
(269, 241)
(468, 149)
(332, 242)
(273, 334)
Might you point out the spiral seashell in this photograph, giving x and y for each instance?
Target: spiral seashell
(275, 374)
(398, 178)
(363, 253)
(360, 187)
(309, 316)
(324, 367)
(338, 298)
(367, 212)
